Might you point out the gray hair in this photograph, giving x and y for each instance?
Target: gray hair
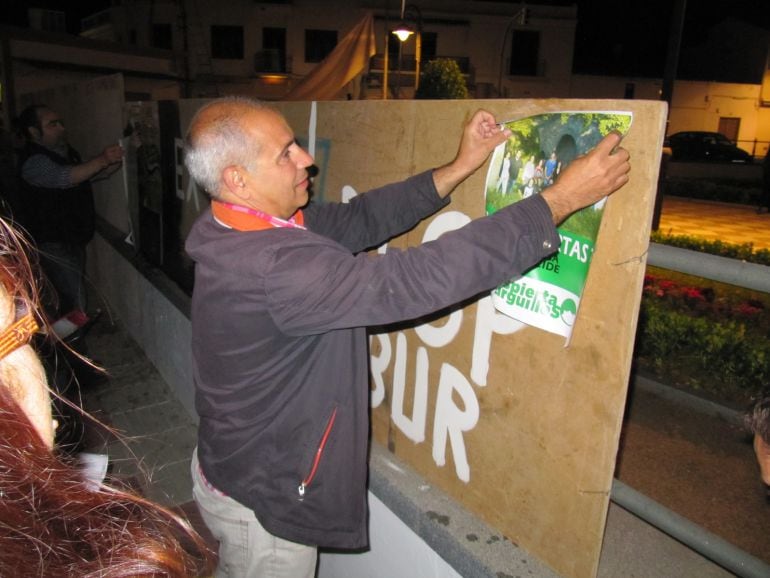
(219, 141)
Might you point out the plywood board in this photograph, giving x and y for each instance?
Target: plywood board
(521, 430)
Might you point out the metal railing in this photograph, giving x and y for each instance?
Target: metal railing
(708, 545)
(690, 534)
(757, 148)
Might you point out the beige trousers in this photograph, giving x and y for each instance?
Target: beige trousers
(246, 549)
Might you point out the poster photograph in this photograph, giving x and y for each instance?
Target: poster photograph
(538, 150)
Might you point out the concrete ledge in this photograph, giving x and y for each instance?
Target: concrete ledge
(469, 545)
(153, 309)
(695, 402)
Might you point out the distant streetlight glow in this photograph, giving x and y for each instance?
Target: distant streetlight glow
(403, 32)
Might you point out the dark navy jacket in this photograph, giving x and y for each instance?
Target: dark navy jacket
(280, 355)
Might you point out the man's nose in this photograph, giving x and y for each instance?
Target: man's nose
(304, 159)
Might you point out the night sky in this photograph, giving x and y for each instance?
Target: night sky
(616, 37)
(630, 38)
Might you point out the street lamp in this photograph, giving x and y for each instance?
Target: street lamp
(403, 31)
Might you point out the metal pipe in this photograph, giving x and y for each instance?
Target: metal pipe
(714, 267)
(690, 534)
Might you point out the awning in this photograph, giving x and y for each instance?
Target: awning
(348, 59)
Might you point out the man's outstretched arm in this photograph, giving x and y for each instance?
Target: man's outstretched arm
(106, 162)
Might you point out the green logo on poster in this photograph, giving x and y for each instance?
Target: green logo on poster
(568, 312)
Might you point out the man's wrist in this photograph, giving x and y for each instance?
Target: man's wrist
(447, 177)
(557, 201)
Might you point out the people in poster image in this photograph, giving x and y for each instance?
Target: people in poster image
(527, 178)
(551, 169)
(502, 185)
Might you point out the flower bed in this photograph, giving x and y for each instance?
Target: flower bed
(741, 251)
(703, 335)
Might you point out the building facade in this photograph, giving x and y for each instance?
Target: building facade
(168, 49)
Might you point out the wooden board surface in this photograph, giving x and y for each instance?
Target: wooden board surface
(521, 430)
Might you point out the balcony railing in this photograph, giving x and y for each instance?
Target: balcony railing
(377, 63)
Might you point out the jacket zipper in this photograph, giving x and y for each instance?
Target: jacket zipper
(318, 454)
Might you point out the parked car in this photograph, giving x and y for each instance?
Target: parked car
(705, 147)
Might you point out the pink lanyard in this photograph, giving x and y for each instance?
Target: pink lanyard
(274, 221)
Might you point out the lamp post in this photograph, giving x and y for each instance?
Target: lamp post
(403, 31)
(385, 66)
(521, 18)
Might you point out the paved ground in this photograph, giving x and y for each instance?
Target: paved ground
(698, 466)
(715, 221)
(701, 467)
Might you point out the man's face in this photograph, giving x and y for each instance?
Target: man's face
(277, 181)
(52, 133)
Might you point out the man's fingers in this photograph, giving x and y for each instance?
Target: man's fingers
(608, 143)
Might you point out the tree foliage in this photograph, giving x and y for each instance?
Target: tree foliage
(442, 79)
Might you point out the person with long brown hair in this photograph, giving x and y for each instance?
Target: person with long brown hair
(53, 521)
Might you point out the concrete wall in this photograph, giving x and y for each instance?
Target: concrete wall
(155, 314)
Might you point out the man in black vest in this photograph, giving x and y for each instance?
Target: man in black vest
(58, 202)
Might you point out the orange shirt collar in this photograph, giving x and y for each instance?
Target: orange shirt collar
(248, 220)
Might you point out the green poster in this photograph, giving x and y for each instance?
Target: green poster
(548, 295)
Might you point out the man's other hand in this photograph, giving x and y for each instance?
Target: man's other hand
(589, 178)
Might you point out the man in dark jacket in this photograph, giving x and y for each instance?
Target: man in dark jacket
(58, 202)
(283, 294)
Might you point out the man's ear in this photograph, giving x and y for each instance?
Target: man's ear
(233, 179)
(34, 133)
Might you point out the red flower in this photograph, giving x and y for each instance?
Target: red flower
(747, 309)
(693, 293)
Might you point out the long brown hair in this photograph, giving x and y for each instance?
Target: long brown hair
(55, 523)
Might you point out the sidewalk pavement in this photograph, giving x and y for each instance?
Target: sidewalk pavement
(155, 434)
(715, 221)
